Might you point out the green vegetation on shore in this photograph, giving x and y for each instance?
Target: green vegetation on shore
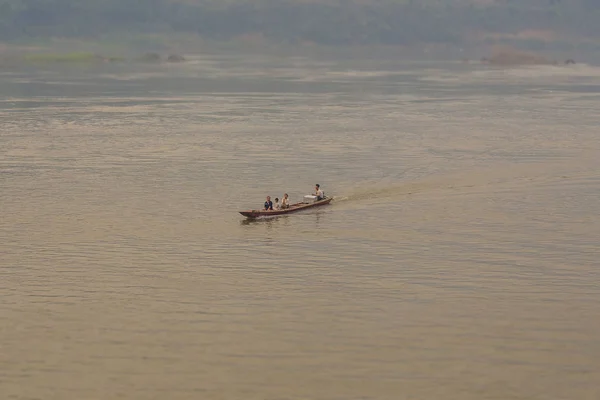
(33, 57)
(68, 58)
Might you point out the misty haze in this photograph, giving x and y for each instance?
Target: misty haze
(458, 258)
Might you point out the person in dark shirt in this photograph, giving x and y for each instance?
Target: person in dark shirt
(268, 204)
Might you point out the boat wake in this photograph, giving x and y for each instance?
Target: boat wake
(378, 192)
(491, 179)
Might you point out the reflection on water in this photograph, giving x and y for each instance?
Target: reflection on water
(458, 260)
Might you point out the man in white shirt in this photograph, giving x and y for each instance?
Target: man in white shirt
(276, 206)
(319, 192)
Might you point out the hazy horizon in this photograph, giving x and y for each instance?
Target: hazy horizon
(541, 25)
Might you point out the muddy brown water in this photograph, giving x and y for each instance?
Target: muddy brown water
(459, 260)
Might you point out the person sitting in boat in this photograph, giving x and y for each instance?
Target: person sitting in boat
(268, 204)
(277, 205)
(285, 202)
(318, 192)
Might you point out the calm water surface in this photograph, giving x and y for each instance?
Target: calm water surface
(459, 260)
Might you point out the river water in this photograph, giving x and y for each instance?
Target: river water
(459, 260)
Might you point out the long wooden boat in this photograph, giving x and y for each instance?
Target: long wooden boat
(292, 208)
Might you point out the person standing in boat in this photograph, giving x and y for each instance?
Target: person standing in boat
(277, 205)
(268, 204)
(285, 202)
(318, 192)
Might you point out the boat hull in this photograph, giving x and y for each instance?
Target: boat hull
(293, 208)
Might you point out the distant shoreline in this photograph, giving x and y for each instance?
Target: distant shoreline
(159, 47)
